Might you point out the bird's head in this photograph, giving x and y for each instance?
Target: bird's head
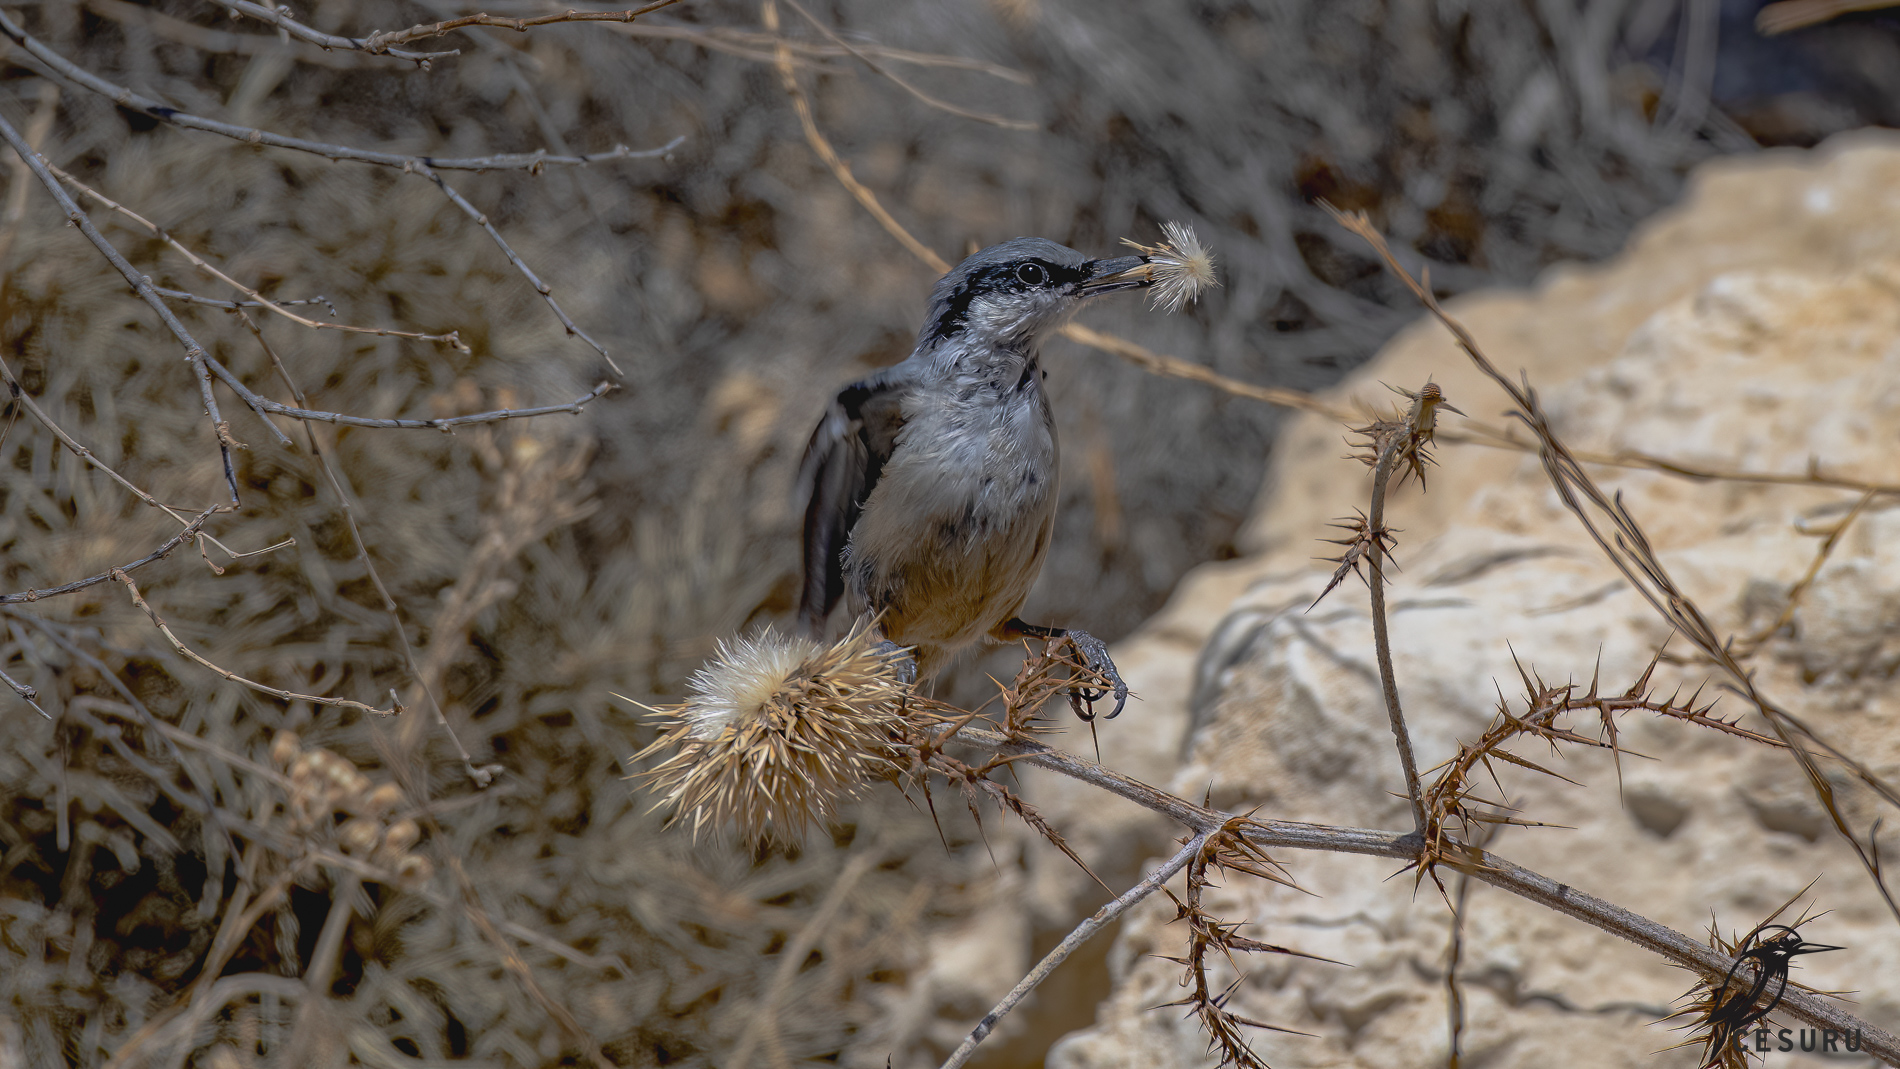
(1010, 294)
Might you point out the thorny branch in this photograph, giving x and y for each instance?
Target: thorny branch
(1451, 799)
(1480, 864)
(1101, 918)
(1396, 442)
(1624, 542)
(1227, 848)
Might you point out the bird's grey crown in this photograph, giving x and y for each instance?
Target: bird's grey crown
(997, 270)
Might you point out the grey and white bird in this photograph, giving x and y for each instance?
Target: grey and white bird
(932, 483)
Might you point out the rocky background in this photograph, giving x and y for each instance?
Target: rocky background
(538, 568)
(1750, 330)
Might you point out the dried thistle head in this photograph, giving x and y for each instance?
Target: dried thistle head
(778, 731)
(1178, 269)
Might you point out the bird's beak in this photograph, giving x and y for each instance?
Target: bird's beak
(1120, 273)
(1814, 948)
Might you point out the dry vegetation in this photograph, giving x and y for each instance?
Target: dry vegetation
(218, 847)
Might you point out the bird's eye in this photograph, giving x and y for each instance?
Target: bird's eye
(1031, 275)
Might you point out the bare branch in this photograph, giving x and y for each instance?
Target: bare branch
(325, 41)
(264, 405)
(481, 775)
(26, 694)
(540, 287)
(155, 109)
(452, 338)
(179, 539)
(232, 306)
(381, 42)
(207, 39)
(761, 47)
(194, 353)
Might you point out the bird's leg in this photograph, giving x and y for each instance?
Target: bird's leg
(901, 658)
(1094, 654)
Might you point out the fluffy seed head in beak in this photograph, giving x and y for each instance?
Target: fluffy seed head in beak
(1178, 269)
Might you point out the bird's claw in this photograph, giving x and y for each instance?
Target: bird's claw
(901, 658)
(1095, 655)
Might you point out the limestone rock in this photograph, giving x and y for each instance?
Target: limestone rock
(1757, 328)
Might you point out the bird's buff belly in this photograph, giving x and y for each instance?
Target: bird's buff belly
(954, 584)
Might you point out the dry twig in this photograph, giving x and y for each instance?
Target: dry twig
(132, 590)
(155, 109)
(255, 299)
(194, 353)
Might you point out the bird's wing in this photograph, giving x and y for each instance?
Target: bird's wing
(847, 453)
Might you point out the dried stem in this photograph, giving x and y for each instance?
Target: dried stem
(906, 86)
(768, 14)
(763, 1024)
(1753, 642)
(482, 775)
(1479, 434)
(1483, 865)
(1102, 918)
(185, 651)
(1401, 440)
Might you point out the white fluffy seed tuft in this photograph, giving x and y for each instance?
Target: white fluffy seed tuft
(1179, 268)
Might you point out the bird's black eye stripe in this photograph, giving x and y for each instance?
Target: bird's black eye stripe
(1019, 276)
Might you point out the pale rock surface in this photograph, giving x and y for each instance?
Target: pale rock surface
(1756, 327)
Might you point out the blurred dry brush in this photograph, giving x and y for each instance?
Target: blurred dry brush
(184, 879)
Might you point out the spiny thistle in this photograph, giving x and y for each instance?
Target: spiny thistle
(1179, 268)
(778, 731)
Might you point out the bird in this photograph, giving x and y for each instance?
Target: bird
(931, 485)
